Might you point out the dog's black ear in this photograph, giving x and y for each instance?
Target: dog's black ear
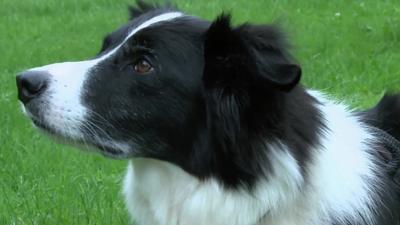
(245, 69)
(140, 8)
(247, 56)
(143, 7)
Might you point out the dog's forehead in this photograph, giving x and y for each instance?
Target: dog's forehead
(165, 28)
(158, 18)
(143, 21)
(119, 37)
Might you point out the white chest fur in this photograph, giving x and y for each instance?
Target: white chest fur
(159, 193)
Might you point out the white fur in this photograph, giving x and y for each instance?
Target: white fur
(62, 100)
(341, 182)
(64, 111)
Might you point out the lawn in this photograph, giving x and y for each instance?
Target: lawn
(350, 49)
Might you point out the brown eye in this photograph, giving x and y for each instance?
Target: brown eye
(143, 66)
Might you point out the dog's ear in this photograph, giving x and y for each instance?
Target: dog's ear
(143, 7)
(242, 66)
(247, 56)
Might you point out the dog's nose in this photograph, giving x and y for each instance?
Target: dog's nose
(31, 84)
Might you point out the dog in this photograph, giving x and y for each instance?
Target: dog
(217, 128)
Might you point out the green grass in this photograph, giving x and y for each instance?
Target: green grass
(350, 49)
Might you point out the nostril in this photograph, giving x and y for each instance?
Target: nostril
(31, 84)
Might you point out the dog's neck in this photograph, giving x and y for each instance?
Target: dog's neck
(337, 178)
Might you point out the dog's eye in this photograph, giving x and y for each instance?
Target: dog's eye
(142, 67)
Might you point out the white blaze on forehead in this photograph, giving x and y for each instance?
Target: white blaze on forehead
(62, 102)
(148, 23)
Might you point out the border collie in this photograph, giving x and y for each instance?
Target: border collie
(217, 128)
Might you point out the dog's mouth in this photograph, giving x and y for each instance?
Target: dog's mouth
(87, 140)
(34, 115)
(43, 126)
(112, 153)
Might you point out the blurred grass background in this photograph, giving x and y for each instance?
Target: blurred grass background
(350, 49)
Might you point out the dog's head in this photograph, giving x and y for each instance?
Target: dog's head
(168, 86)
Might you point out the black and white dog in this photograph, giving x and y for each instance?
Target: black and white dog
(216, 127)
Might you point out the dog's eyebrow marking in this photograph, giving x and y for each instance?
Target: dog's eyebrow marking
(160, 18)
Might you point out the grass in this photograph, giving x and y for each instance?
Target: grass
(350, 49)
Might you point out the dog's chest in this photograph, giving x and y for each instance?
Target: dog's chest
(158, 193)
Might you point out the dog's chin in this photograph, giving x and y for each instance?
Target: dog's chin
(44, 127)
(83, 144)
(114, 154)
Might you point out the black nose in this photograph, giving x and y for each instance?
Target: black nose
(31, 84)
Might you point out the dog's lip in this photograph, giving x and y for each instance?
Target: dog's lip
(104, 150)
(112, 153)
(41, 125)
(31, 110)
(115, 154)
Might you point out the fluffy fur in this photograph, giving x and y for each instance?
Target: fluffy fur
(219, 131)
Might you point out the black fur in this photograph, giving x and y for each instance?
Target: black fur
(143, 7)
(249, 82)
(386, 115)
